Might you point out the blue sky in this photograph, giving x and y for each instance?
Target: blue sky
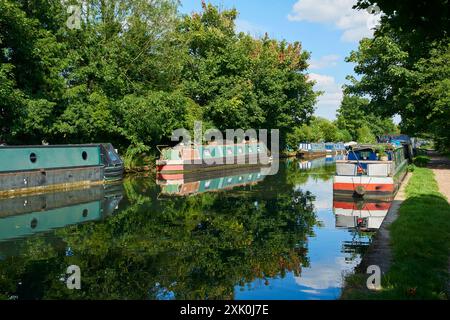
(329, 29)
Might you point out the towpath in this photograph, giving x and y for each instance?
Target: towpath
(441, 169)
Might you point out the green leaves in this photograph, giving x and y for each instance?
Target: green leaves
(136, 70)
(404, 69)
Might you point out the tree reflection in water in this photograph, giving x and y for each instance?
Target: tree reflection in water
(198, 247)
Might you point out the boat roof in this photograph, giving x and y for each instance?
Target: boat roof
(53, 145)
(372, 147)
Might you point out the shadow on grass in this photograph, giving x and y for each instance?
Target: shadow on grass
(420, 242)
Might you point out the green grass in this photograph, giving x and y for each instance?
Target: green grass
(420, 241)
(421, 161)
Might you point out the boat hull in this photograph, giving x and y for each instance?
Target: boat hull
(364, 186)
(173, 167)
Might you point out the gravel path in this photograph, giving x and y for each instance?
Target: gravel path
(441, 169)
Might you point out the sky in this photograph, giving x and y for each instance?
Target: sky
(328, 29)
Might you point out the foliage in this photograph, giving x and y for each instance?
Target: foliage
(354, 113)
(136, 70)
(404, 69)
(318, 130)
(421, 161)
(365, 135)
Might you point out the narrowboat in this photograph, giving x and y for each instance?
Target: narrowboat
(213, 156)
(400, 139)
(371, 171)
(363, 215)
(310, 151)
(28, 169)
(187, 184)
(26, 215)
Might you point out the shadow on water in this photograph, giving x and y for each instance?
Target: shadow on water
(237, 240)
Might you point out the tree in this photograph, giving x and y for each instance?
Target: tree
(30, 65)
(354, 113)
(401, 60)
(137, 69)
(242, 82)
(365, 135)
(319, 130)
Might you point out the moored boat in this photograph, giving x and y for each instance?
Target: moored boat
(28, 169)
(214, 156)
(371, 171)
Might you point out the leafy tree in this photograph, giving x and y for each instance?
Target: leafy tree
(136, 69)
(30, 64)
(365, 135)
(354, 113)
(242, 82)
(402, 60)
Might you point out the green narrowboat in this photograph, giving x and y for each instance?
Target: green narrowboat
(25, 169)
(213, 156)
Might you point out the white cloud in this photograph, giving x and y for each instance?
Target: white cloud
(324, 62)
(355, 24)
(329, 101)
(324, 276)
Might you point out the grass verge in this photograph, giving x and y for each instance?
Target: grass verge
(420, 242)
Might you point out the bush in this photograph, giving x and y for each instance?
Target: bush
(421, 161)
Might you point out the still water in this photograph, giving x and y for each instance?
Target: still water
(242, 235)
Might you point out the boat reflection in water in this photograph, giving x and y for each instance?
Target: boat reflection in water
(187, 184)
(366, 216)
(27, 215)
(320, 162)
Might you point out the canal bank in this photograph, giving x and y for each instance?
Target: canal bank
(415, 263)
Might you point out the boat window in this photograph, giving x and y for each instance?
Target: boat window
(84, 155)
(207, 152)
(230, 151)
(34, 223)
(33, 157)
(240, 150)
(364, 155)
(112, 155)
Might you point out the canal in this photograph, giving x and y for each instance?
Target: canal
(239, 236)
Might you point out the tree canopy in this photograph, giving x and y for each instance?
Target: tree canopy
(404, 68)
(136, 70)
